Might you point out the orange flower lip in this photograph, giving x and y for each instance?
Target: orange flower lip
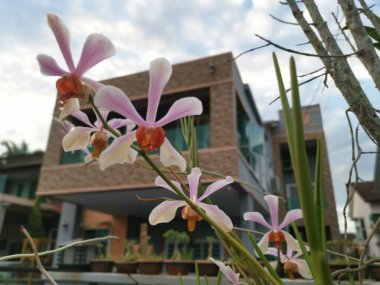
(69, 86)
(150, 138)
(191, 216)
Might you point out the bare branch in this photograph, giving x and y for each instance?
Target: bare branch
(40, 266)
(370, 15)
(302, 53)
(367, 54)
(343, 33)
(373, 231)
(48, 252)
(247, 51)
(338, 67)
(282, 21)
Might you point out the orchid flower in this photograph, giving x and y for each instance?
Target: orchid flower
(96, 48)
(228, 272)
(93, 134)
(149, 134)
(292, 263)
(165, 212)
(275, 235)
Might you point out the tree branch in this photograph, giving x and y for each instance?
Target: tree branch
(338, 67)
(367, 54)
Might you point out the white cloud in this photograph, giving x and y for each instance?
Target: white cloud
(179, 30)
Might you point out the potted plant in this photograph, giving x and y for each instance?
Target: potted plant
(128, 262)
(149, 262)
(180, 261)
(206, 267)
(102, 263)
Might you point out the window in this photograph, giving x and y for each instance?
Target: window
(292, 199)
(95, 233)
(201, 247)
(250, 139)
(23, 187)
(173, 130)
(361, 233)
(374, 217)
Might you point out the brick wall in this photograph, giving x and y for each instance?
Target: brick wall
(214, 73)
(331, 214)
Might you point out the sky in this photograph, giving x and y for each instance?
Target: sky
(143, 30)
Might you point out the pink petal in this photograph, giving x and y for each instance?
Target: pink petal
(256, 217)
(94, 85)
(67, 126)
(193, 179)
(290, 217)
(48, 66)
(104, 113)
(217, 215)
(118, 123)
(303, 268)
(161, 183)
(82, 116)
(77, 138)
(217, 185)
(184, 107)
(264, 242)
(169, 156)
(160, 71)
(227, 271)
(62, 36)
(114, 99)
(165, 212)
(273, 209)
(96, 49)
(71, 106)
(117, 152)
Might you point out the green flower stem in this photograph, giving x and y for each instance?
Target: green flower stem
(105, 124)
(300, 163)
(224, 234)
(237, 245)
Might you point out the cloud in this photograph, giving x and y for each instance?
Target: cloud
(179, 30)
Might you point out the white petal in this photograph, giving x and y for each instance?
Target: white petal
(264, 242)
(165, 212)
(303, 268)
(162, 183)
(291, 242)
(217, 215)
(227, 271)
(169, 156)
(117, 152)
(71, 106)
(77, 138)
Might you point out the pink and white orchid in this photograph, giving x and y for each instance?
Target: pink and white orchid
(149, 134)
(275, 235)
(292, 263)
(228, 272)
(166, 211)
(96, 48)
(94, 134)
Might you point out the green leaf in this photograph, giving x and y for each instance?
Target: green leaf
(319, 197)
(263, 258)
(372, 33)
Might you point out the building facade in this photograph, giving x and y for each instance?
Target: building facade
(232, 140)
(364, 209)
(313, 131)
(19, 175)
